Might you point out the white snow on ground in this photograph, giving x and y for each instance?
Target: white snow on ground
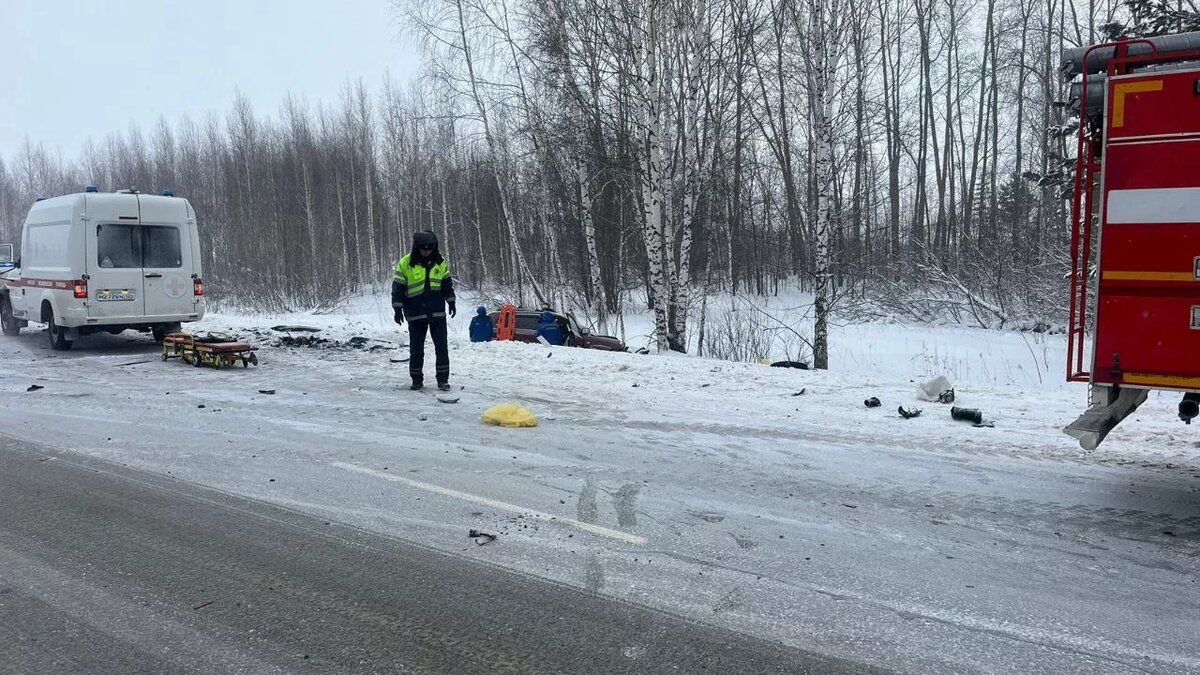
(925, 545)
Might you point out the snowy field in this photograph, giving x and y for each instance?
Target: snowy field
(711, 489)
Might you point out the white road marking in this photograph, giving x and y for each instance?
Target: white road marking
(495, 504)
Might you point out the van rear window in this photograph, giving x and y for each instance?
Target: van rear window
(118, 246)
(137, 246)
(160, 247)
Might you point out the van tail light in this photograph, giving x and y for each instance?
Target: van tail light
(197, 286)
(80, 288)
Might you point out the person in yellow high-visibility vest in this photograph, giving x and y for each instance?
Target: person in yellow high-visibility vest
(423, 292)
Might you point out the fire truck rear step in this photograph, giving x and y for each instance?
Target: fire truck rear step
(1092, 426)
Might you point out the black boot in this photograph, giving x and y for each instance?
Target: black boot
(444, 386)
(416, 385)
(1189, 407)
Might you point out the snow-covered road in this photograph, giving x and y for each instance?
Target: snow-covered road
(710, 489)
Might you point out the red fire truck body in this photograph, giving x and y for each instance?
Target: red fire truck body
(1138, 178)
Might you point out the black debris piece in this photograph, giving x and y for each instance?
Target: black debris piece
(200, 406)
(266, 391)
(946, 396)
(801, 365)
(34, 387)
(295, 329)
(972, 415)
(801, 392)
(481, 538)
(872, 402)
(908, 414)
(403, 360)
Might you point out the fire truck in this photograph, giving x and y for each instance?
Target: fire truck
(1135, 238)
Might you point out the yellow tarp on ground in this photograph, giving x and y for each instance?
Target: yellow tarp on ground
(510, 415)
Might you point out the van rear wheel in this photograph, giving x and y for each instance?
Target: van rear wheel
(58, 336)
(8, 322)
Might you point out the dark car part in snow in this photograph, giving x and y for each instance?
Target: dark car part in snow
(872, 402)
(908, 414)
(481, 538)
(295, 329)
(268, 392)
(34, 387)
(801, 392)
(1189, 407)
(972, 415)
(946, 396)
(800, 365)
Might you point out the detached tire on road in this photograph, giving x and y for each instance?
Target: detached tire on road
(8, 322)
(58, 336)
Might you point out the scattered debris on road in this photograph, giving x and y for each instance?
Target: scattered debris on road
(481, 538)
(204, 604)
(872, 402)
(908, 414)
(287, 328)
(266, 391)
(34, 387)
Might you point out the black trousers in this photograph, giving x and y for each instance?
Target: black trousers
(436, 327)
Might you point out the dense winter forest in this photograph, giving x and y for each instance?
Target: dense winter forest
(889, 156)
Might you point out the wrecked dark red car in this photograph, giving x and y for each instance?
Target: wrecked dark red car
(577, 335)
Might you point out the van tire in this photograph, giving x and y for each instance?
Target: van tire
(58, 336)
(8, 322)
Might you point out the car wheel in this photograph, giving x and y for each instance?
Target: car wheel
(159, 333)
(58, 336)
(7, 321)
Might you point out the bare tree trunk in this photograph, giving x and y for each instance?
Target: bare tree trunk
(522, 265)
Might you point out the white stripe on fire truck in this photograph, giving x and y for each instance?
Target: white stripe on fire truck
(1155, 205)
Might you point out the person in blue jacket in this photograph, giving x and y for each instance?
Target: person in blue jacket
(482, 329)
(548, 328)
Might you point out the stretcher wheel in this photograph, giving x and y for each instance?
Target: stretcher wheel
(196, 358)
(164, 356)
(253, 358)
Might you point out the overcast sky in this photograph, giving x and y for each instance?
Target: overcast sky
(70, 69)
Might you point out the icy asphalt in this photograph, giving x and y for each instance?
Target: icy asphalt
(712, 490)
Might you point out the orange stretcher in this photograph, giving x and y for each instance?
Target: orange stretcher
(214, 349)
(506, 324)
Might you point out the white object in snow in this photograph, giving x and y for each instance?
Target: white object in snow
(929, 391)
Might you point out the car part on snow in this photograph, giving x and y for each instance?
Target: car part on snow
(799, 365)
(801, 392)
(403, 360)
(1189, 407)
(268, 392)
(908, 414)
(872, 402)
(481, 538)
(933, 389)
(447, 398)
(34, 387)
(510, 415)
(213, 349)
(287, 328)
(972, 415)
(946, 396)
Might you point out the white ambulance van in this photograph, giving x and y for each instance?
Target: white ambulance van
(94, 261)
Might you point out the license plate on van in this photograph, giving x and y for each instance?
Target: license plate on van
(115, 295)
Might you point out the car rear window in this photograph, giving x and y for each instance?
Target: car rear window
(118, 246)
(160, 247)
